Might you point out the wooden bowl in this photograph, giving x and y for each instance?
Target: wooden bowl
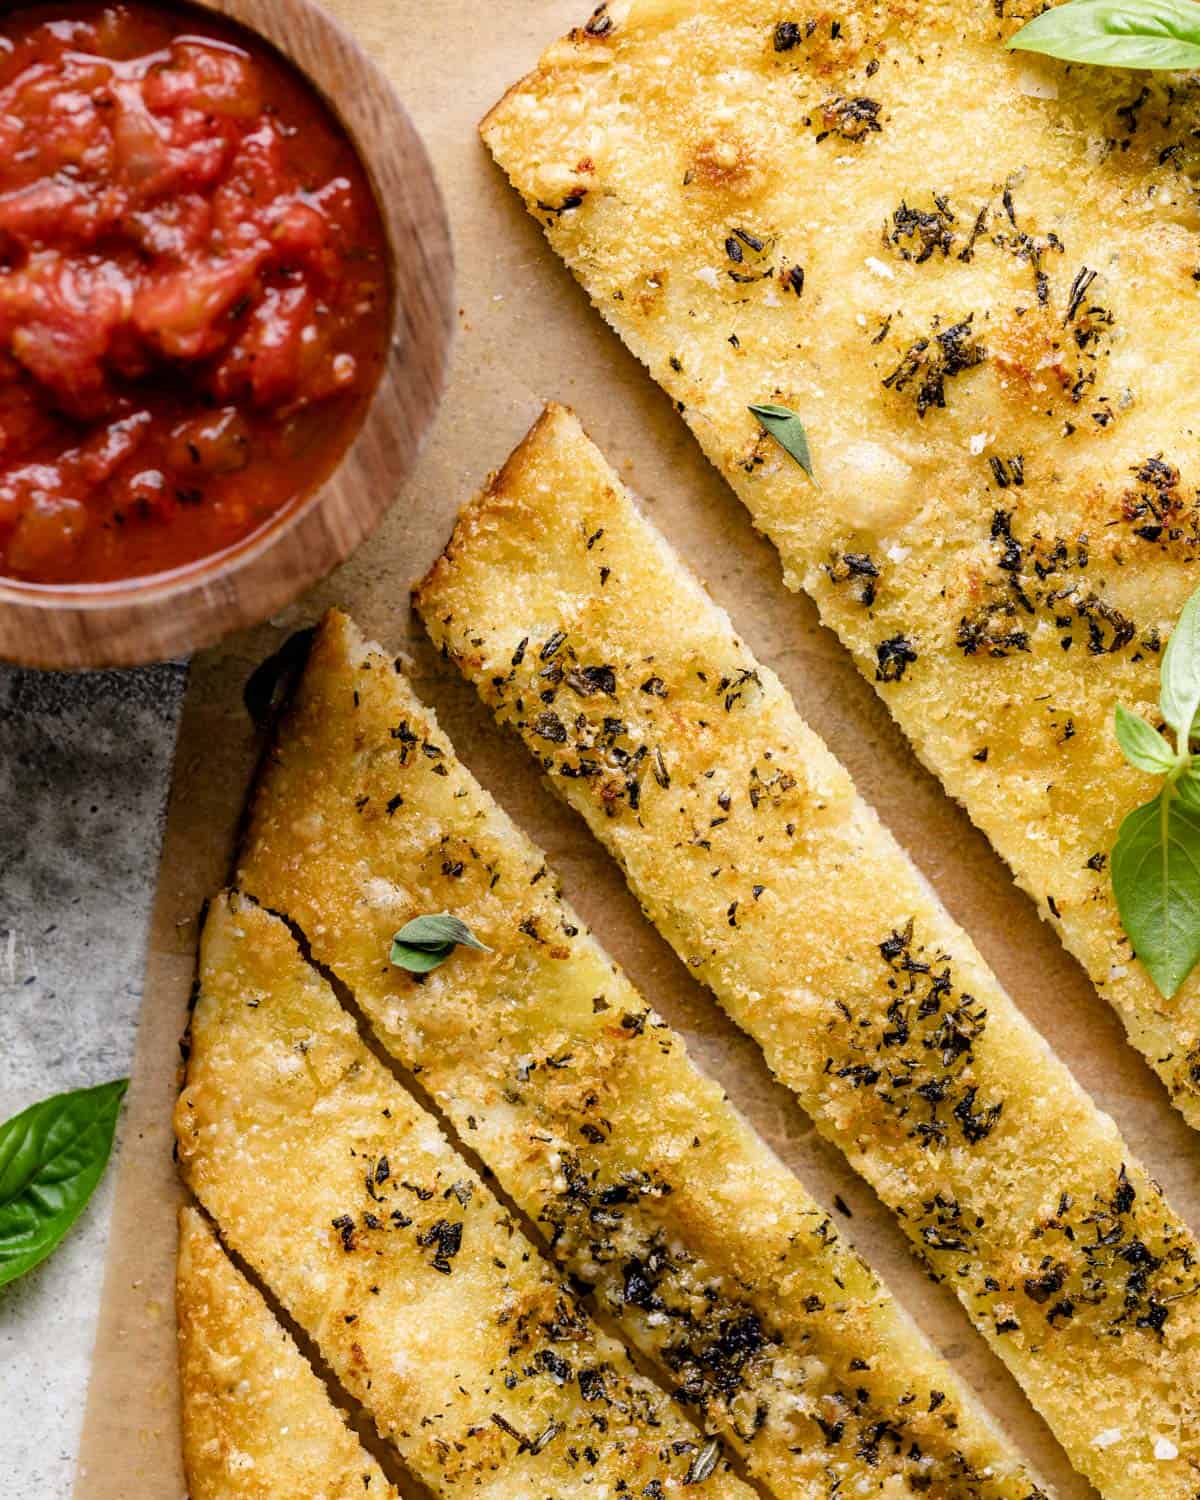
(171, 614)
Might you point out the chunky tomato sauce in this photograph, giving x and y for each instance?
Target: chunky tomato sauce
(194, 293)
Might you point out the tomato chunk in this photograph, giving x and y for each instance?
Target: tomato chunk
(182, 310)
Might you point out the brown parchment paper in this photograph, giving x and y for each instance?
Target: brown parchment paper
(526, 334)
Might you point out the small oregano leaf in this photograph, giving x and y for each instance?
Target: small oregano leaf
(433, 931)
(419, 960)
(425, 942)
(1157, 34)
(781, 423)
(1179, 696)
(1142, 744)
(52, 1155)
(1156, 882)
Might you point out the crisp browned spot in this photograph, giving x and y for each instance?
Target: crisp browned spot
(727, 162)
(1029, 349)
(966, 589)
(647, 290)
(611, 795)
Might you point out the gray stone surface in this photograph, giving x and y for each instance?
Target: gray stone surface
(84, 768)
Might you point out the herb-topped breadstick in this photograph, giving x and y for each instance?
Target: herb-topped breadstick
(647, 1184)
(244, 1384)
(424, 1297)
(749, 849)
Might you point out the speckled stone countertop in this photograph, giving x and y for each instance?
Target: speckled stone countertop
(85, 763)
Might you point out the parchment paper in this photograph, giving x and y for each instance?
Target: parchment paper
(526, 334)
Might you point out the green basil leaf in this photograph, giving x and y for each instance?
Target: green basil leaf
(1156, 882)
(1179, 696)
(1142, 744)
(52, 1155)
(425, 942)
(781, 423)
(1161, 34)
(1187, 788)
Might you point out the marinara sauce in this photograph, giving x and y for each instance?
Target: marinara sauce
(194, 290)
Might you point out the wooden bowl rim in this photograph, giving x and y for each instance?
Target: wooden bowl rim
(136, 621)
